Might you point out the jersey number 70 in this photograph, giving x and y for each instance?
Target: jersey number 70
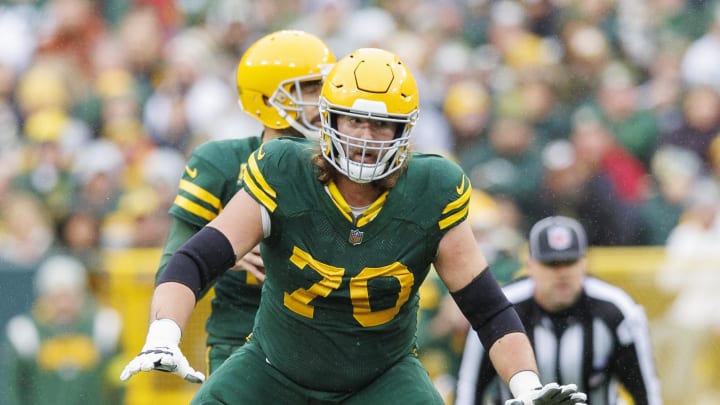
(299, 300)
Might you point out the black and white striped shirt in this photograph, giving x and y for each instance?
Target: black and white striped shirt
(601, 341)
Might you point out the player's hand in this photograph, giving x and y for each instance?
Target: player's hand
(161, 352)
(253, 263)
(551, 394)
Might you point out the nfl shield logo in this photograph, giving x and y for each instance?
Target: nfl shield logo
(559, 238)
(355, 237)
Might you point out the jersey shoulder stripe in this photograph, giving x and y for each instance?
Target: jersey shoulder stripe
(200, 193)
(458, 209)
(257, 186)
(269, 165)
(443, 182)
(194, 208)
(211, 179)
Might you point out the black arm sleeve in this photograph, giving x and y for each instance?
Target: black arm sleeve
(180, 232)
(490, 313)
(199, 261)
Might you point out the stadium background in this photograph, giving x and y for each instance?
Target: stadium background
(101, 101)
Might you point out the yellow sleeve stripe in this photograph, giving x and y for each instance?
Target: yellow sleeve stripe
(454, 218)
(464, 199)
(461, 205)
(194, 208)
(262, 192)
(200, 193)
(260, 179)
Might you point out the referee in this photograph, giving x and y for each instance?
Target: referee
(584, 330)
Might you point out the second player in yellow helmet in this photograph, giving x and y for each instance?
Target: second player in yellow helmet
(279, 79)
(273, 75)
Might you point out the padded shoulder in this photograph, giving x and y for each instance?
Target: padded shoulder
(284, 153)
(280, 166)
(441, 188)
(225, 152)
(210, 178)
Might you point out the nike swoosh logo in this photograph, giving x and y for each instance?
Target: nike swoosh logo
(260, 154)
(461, 187)
(191, 172)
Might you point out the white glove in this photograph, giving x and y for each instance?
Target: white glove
(551, 394)
(161, 352)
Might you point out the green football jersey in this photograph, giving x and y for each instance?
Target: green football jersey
(339, 304)
(212, 176)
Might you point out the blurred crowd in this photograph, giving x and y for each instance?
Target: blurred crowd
(601, 110)
(607, 111)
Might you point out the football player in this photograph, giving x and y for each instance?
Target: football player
(349, 228)
(278, 80)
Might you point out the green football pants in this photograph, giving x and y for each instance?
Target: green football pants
(246, 378)
(217, 354)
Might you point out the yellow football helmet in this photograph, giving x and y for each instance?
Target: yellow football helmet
(270, 74)
(373, 84)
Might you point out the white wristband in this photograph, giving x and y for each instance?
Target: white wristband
(164, 330)
(523, 382)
